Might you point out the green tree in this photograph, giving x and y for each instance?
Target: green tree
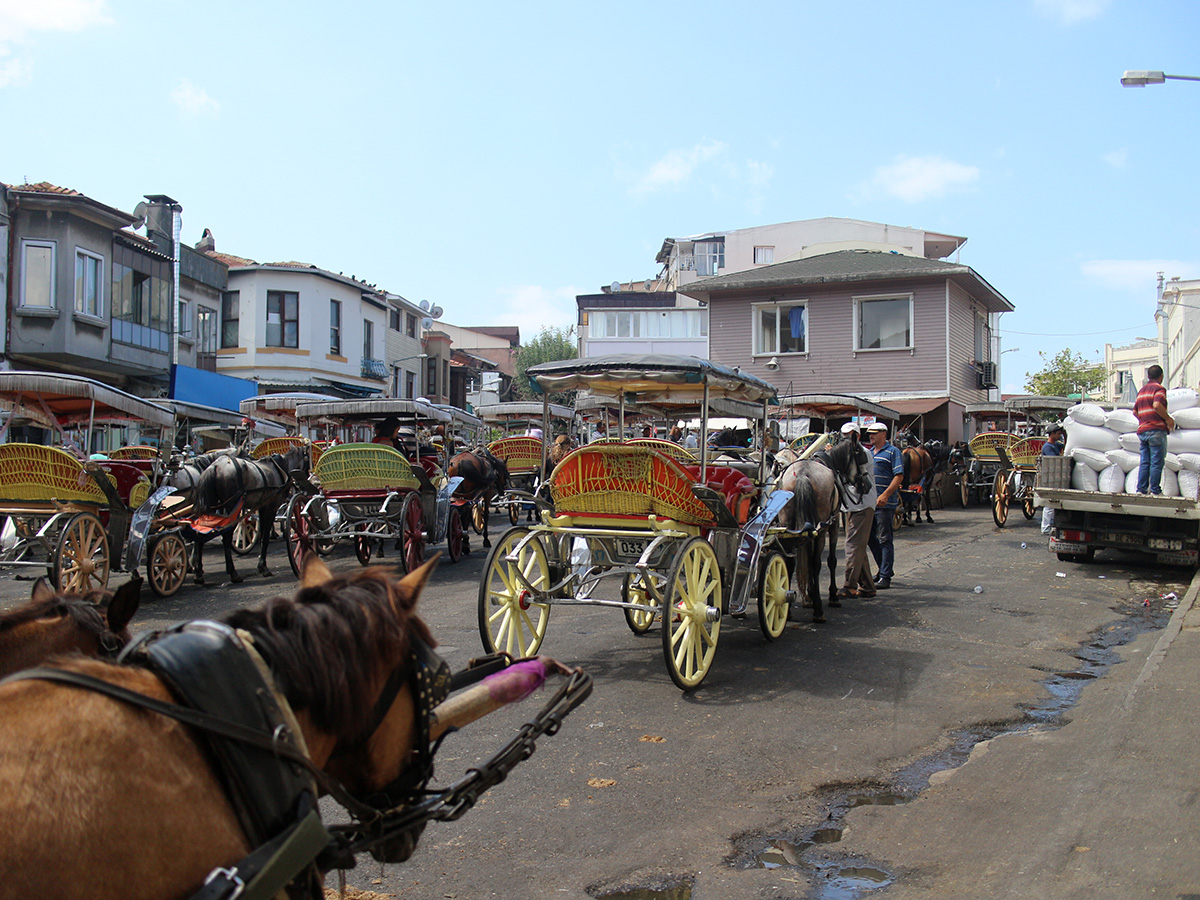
(550, 345)
(1066, 373)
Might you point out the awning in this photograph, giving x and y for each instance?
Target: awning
(918, 406)
(833, 406)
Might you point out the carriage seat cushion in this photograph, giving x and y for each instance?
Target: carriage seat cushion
(730, 483)
(430, 464)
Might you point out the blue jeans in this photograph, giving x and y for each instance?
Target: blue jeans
(880, 542)
(1154, 451)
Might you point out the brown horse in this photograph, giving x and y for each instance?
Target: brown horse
(918, 478)
(484, 477)
(108, 801)
(51, 624)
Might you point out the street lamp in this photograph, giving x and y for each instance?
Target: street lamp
(1140, 78)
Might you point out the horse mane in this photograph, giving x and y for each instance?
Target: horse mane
(83, 610)
(324, 644)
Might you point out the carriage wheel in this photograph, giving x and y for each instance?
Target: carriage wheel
(454, 534)
(166, 567)
(363, 545)
(633, 590)
(297, 533)
(479, 516)
(692, 616)
(1027, 502)
(412, 532)
(773, 596)
(509, 619)
(964, 489)
(81, 557)
(245, 534)
(514, 512)
(1000, 498)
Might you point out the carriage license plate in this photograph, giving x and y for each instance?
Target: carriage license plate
(629, 548)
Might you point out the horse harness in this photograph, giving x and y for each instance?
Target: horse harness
(258, 754)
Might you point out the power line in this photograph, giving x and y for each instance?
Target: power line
(1077, 333)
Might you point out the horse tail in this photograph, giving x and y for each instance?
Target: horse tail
(806, 503)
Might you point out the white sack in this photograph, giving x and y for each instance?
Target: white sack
(1170, 461)
(1184, 440)
(1093, 459)
(1170, 483)
(1088, 414)
(1189, 484)
(1189, 462)
(1181, 398)
(1123, 458)
(1091, 437)
(1131, 482)
(1121, 421)
(1187, 418)
(1112, 480)
(1131, 442)
(1084, 478)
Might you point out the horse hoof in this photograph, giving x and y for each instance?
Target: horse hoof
(818, 620)
(236, 579)
(266, 573)
(837, 604)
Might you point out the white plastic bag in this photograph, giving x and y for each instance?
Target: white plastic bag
(1093, 459)
(1123, 458)
(1181, 398)
(1084, 478)
(1121, 421)
(1112, 480)
(1088, 414)
(1090, 437)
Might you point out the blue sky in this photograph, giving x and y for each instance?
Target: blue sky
(498, 159)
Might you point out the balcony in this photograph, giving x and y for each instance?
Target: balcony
(375, 369)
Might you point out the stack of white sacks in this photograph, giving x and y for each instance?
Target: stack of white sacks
(1107, 451)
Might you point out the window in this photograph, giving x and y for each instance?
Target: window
(650, 323)
(206, 329)
(89, 298)
(394, 319)
(410, 325)
(230, 304)
(368, 339)
(141, 299)
(764, 256)
(781, 328)
(431, 390)
(884, 323)
(185, 318)
(283, 319)
(710, 256)
(410, 385)
(37, 274)
(983, 339)
(335, 327)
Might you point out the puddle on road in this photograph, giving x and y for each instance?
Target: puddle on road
(671, 889)
(851, 878)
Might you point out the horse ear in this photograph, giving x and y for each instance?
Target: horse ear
(414, 582)
(124, 604)
(42, 590)
(315, 571)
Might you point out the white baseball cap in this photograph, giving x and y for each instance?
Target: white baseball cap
(850, 428)
(877, 426)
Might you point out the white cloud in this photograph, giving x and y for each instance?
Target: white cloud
(1136, 276)
(1116, 158)
(1069, 12)
(21, 20)
(916, 178)
(193, 100)
(676, 168)
(533, 307)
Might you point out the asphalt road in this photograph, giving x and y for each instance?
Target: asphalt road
(651, 793)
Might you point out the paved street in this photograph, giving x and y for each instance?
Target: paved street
(649, 788)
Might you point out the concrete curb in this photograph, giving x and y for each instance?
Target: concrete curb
(1172, 631)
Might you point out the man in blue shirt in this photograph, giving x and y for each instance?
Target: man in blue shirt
(889, 473)
(1055, 438)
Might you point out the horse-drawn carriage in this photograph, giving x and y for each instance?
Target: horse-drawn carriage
(373, 492)
(677, 538)
(70, 516)
(524, 455)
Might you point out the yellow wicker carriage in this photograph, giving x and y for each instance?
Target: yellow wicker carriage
(139, 452)
(983, 446)
(1026, 452)
(522, 455)
(667, 448)
(364, 467)
(283, 444)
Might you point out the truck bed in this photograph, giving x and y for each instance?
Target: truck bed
(1124, 504)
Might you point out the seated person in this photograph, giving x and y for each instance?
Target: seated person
(386, 433)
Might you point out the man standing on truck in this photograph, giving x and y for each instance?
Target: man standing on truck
(1154, 422)
(1055, 438)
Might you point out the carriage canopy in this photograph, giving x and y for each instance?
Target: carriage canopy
(650, 378)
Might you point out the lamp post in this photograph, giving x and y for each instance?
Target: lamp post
(420, 374)
(1140, 78)
(1162, 356)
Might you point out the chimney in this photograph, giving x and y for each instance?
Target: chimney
(206, 244)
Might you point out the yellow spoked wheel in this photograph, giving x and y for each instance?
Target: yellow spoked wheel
(692, 616)
(166, 569)
(509, 618)
(1000, 497)
(773, 597)
(633, 590)
(81, 557)
(479, 514)
(245, 534)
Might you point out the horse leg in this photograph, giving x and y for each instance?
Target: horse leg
(227, 546)
(487, 510)
(926, 489)
(833, 541)
(814, 579)
(266, 521)
(198, 542)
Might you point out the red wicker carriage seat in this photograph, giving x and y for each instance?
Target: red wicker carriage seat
(731, 484)
(133, 487)
(626, 482)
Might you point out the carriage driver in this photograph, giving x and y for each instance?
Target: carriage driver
(859, 512)
(889, 473)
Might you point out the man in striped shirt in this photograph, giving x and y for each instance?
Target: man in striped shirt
(1153, 424)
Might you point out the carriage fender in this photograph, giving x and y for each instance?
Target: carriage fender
(749, 548)
(139, 528)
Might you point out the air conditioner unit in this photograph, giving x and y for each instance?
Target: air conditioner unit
(987, 375)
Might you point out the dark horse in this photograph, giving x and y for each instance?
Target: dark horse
(818, 483)
(51, 624)
(922, 463)
(484, 477)
(233, 485)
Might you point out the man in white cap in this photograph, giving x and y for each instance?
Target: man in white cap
(859, 513)
(889, 473)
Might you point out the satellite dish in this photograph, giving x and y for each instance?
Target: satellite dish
(615, 287)
(427, 323)
(436, 311)
(649, 284)
(140, 211)
(424, 304)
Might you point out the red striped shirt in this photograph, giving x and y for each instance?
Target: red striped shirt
(1143, 407)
